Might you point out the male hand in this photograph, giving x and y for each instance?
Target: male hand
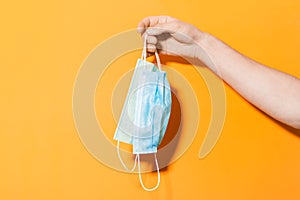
(171, 36)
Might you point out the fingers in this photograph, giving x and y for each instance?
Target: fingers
(151, 48)
(155, 44)
(153, 21)
(151, 39)
(151, 43)
(159, 29)
(159, 33)
(147, 22)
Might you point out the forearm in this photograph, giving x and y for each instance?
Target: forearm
(272, 91)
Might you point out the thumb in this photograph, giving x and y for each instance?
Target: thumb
(162, 28)
(175, 29)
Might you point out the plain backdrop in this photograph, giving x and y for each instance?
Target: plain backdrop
(42, 46)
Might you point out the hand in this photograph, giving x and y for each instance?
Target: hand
(171, 36)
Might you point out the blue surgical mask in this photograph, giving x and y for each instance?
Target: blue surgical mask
(146, 112)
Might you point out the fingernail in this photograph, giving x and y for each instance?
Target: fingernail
(140, 29)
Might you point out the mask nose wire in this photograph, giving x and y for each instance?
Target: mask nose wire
(140, 175)
(144, 53)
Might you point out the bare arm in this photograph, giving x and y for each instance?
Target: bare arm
(274, 92)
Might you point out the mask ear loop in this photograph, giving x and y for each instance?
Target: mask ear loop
(121, 160)
(143, 57)
(140, 175)
(157, 60)
(144, 53)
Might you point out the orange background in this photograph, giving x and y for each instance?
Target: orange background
(42, 47)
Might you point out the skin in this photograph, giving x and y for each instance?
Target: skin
(272, 91)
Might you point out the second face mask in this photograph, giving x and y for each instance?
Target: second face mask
(146, 111)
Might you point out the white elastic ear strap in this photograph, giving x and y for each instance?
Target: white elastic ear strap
(140, 175)
(144, 53)
(157, 60)
(121, 160)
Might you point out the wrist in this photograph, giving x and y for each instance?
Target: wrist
(202, 38)
(202, 44)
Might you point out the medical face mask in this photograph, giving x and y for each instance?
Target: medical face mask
(146, 112)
